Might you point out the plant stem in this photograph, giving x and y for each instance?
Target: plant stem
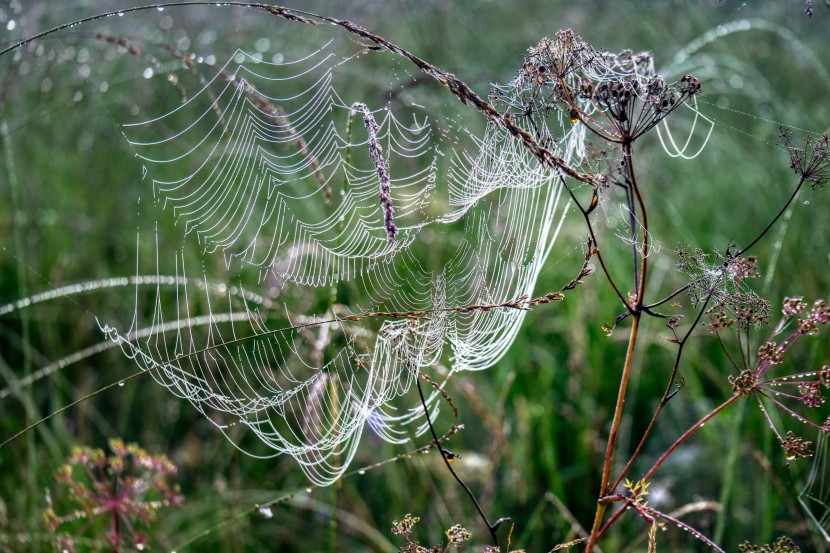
(492, 528)
(641, 279)
(685, 436)
(666, 454)
(116, 532)
(615, 427)
(592, 234)
(640, 283)
(778, 215)
(665, 398)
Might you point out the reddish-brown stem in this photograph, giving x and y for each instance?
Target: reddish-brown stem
(685, 436)
(666, 454)
(651, 423)
(615, 427)
(116, 531)
(640, 284)
(665, 397)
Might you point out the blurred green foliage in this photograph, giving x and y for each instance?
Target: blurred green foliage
(536, 424)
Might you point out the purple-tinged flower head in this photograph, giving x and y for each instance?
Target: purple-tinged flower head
(125, 489)
(744, 383)
(793, 393)
(458, 535)
(793, 306)
(811, 394)
(771, 353)
(796, 447)
(376, 155)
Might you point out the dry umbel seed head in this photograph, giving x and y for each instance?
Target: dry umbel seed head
(812, 162)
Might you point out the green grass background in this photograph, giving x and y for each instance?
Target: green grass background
(536, 423)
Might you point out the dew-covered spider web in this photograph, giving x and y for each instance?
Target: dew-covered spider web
(326, 231)
(268, 168)
(335, 201)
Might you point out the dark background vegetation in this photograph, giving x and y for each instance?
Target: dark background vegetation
(536, 423)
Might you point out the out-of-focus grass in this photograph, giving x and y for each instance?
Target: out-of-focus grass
(69, 213)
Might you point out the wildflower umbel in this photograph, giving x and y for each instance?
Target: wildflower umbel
(457, 535)
(405, 525)
(376, 155)
(803, 390)
(781, 545)
(126, 488)
(619, 97)
(723, 285)
(812, 162)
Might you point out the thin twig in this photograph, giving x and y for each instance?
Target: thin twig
(492, 528)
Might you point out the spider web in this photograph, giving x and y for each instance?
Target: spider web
(268, 168)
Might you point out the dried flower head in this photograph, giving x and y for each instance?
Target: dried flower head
(559, 58)
(812, 162)
(632, 105)
(724, 285)
(619, 97)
